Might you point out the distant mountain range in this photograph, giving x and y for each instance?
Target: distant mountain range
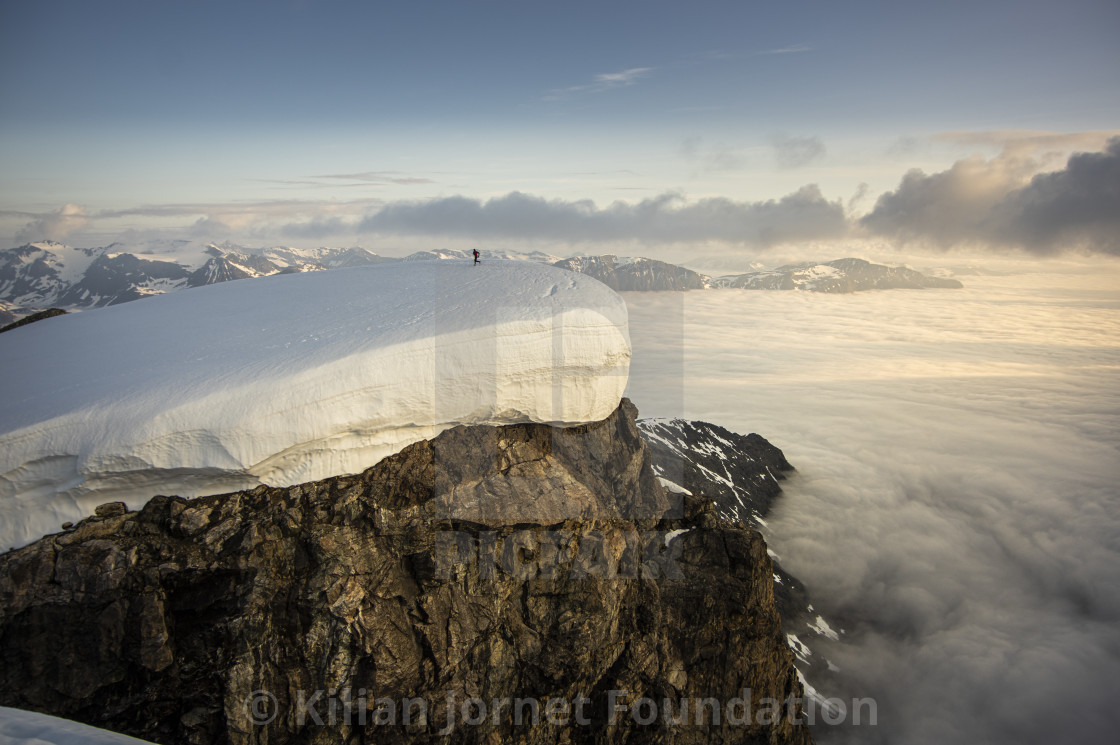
(841, 275)
(49, 274)
(629, 274)
(46, 274)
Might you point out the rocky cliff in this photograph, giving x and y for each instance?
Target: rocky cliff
(512, 584)
(740, 475)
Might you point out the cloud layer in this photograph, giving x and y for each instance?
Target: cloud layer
(1004, 202)
(1032, 196)
(802, 215)
(956, 505)
(55, 225)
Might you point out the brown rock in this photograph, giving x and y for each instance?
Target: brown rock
(523, 569)
(111, 509)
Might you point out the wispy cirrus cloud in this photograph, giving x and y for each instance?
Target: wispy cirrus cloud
(350, 180)
(378, 177)
(624, 77)
(263, 208)
(794, 152)
(603, 82)
(792, 49)
(711, 157)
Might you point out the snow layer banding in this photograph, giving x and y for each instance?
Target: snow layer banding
(292, 378)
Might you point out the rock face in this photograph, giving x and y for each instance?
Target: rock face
(635, 274)
(841, 275)
(740, 474)
(504, 569)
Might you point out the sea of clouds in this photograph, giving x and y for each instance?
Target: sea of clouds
(957, 501)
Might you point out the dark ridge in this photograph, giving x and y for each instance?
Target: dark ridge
(40, 316)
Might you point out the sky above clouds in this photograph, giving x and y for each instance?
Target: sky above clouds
(729, 124)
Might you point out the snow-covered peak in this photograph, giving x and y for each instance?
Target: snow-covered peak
(635, 273)
(292, 378)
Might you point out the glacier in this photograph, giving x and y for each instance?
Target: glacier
(292, 378)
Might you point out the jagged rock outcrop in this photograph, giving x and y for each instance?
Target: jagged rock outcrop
(482, 567)
(740, 474)
(635, 274)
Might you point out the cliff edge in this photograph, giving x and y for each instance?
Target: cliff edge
(520, 583)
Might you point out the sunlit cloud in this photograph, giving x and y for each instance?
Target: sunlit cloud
(1004, 201)
(1031, 196)
(1041, 145)
(55, 225)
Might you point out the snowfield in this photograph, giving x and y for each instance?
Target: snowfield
(292, 378)
(18, 727)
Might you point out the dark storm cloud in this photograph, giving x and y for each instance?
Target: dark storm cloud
(991, 202)
(802, 215)
(1079, 205)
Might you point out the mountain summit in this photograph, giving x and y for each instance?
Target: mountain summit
(292, 378)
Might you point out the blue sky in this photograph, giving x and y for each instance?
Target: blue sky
(298, 121)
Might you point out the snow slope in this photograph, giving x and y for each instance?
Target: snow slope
(292, 378)
(18, 727)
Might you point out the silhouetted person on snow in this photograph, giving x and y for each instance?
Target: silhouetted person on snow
(475, 256)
